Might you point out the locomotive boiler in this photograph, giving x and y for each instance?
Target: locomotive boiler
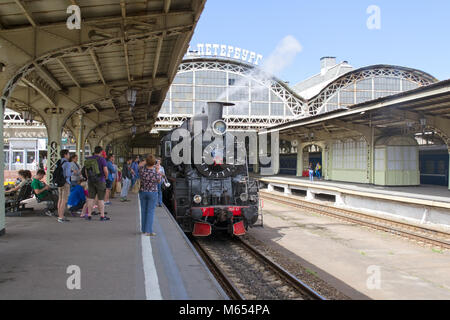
(210, 188)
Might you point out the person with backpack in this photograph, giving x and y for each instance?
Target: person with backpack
(61, 178)
(96, 172)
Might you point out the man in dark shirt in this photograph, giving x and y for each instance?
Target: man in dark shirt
(98, 188)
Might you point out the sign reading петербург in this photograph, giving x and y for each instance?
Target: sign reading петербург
(225, 51)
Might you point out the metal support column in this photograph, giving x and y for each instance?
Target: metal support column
(80, 141)
(299, 160)
(2, 178)
(448, 174)
(54, 133)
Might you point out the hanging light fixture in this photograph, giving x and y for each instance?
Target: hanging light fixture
(131, 97)
(133, 131)
(28, 116)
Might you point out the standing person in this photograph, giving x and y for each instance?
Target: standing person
(135, 168)
(110, 178)
(163, 178)
(311, 172)
(76, 177)
(126, 179)
(61, 177)
(114, 185)
(318, 167)
(148, 193)
(97, 173)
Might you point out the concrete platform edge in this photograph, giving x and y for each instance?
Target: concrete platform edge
(210, 275)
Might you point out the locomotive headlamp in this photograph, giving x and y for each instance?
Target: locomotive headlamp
(219, 127)
(197, 199)
(244, 197)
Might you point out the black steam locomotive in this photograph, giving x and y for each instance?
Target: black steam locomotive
(210, 188)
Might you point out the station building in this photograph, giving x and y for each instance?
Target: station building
(371, 150)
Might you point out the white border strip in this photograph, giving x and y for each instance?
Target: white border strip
(152, 289)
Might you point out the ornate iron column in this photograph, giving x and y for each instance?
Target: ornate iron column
(2, 178)
(54, 130)
(81, 140)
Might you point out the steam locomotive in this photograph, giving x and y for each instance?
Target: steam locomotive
(210, 189)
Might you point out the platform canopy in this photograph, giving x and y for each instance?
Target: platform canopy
(426, 109)
(108, 78)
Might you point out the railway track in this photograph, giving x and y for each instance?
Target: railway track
(246, 274)
(410, 231)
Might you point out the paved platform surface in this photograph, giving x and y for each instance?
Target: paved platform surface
(115, 260)
(426, 192)
(349, 256)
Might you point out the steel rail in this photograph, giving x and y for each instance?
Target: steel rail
(286, 275)
(228, 286)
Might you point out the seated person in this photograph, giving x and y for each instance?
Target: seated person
(43, 191)
(25, 177)
(77, 198)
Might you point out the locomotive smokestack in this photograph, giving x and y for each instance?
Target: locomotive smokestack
(215, 111)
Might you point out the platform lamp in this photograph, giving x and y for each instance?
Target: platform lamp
(131, 98)
(28, 116)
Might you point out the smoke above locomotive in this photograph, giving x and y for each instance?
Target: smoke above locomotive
(207, 166)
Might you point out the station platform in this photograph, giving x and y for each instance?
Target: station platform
(424, 204)
(115, 260)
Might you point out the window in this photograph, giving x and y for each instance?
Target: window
(210, 77)
(338, 148)
(167, 148)
(361, 154)
(6, 157)
(209, 93)
(402, 158)
(30, 156)
(277, 109)
(180, 92)
(165, 107)
(238, 94)
(379, 159)
(260, 109)
(349, 154)
(182, 107)
(17, 157)
(241, 109)
(183, 78)
(347, 97)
